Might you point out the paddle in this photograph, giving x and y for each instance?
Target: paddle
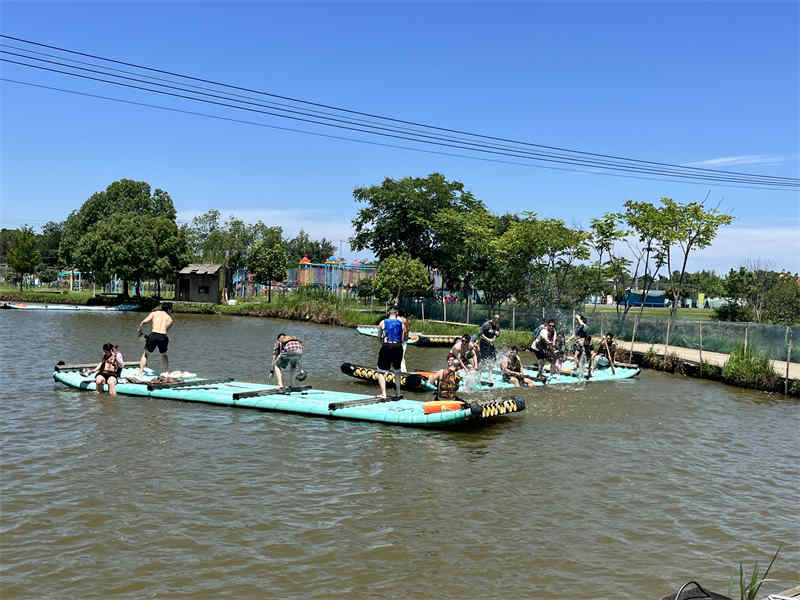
(362, 402)
(610, 360)
(286, 391)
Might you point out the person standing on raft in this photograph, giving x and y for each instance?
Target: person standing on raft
(390, 356)
(488, 333)
(287, 354)
(447, 381)
(160, 322)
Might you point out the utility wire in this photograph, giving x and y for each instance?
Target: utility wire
(327, 106)
(357, 140)
(359, 129)
(104, 70)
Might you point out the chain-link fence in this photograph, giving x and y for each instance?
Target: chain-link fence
(777, 341)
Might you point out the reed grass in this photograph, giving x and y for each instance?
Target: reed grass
(748, 589)
(747, 368)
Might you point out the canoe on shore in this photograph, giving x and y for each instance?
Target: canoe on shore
(302, 400)
(82, 307)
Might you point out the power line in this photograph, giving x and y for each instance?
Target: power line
(357, 140)
(366, 127)
(232, 86)
(361, 129)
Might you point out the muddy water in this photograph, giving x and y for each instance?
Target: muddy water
(625, 489)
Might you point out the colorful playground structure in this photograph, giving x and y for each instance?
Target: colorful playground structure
(336, 276)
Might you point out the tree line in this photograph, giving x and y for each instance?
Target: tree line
(130, 231)
(414, 225)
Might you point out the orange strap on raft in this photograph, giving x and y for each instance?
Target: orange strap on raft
(437, 406)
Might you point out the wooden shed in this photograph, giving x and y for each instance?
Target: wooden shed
(203, 282)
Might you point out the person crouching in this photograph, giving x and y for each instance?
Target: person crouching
(287, 354)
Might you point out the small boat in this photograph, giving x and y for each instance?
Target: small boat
(420, 339)
(73, 307)
(300, 400)
(373, 331)
(413, 382)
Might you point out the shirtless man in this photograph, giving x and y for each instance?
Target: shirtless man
(160, 322)
(465, 353)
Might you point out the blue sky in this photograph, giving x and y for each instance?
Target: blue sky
(712, 84)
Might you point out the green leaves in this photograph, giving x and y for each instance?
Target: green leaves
(23, 255)
(268, 263)
(400, 275)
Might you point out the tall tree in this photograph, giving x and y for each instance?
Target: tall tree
(399, 215)
(268, 264)
(691, 227)
(317, 251)
(400, 275)
(23, 256)
(750, 284)
(49, 242)
(121, 197)
(605, 236)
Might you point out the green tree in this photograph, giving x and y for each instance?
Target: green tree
(782, 301)
(649, 227)
(691, 227)
(399, 216)
(49, 242)
(121, 197)
(400, 275)
(268, 264)
(317, 251)
(750, 284)
(605, 235)
(23, 256)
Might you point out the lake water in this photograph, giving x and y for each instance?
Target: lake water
(608, 490)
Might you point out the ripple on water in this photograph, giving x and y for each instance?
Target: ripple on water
(628, 489)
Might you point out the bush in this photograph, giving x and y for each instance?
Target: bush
(733, 312)
(746, 368)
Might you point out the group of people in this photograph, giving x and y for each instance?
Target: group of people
(468, 353)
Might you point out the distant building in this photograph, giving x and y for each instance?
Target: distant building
(203, 282)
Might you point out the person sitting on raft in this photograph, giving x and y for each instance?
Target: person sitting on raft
(512, 369)
(390, 356)
(287, 354)
(465, 353)
(447, 381)
(107, 371)
(607, 349)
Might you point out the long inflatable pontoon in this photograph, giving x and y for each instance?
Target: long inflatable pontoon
(420, 339)
(302, 400)
(421, 380)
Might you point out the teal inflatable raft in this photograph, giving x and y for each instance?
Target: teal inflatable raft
(304, 400)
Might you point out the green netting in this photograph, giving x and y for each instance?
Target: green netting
(718, 336)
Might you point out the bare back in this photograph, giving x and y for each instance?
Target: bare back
(159, 320)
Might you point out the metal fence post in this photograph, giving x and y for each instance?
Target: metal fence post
(788, 358)
(700, 327)
(746, 327)
(422, 304)
(444, 310)
(666, 340)
(513, 318)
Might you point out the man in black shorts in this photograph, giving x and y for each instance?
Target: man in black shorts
(390, 356)
(160, 322)
(488, 333)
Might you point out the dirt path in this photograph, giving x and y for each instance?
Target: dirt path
(715, 358)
